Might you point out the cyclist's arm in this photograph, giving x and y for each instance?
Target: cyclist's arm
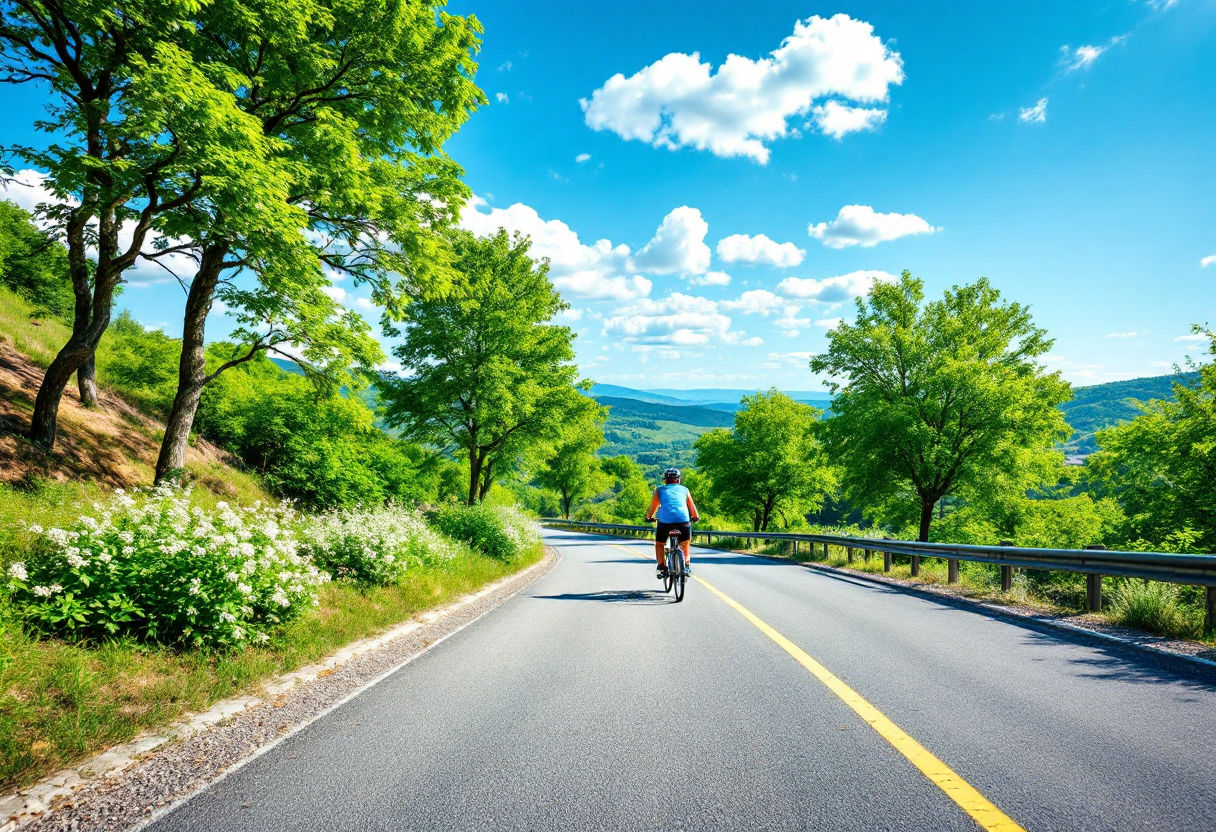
(693, 514)
(654, 506)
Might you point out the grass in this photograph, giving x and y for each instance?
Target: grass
(62, 702)
(40, 341)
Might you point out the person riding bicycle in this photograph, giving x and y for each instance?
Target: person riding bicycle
(673, 506)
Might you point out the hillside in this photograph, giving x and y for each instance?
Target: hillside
(1103, 405)
(656, 435)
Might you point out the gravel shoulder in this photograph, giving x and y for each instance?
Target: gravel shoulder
(128, 788)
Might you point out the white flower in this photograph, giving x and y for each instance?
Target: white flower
(42, 591)
(56, 589)
(126, 537)
(74, 559)
(191, 611)
(35, 529)
(17, 570)
(238, 633)
(244, 589)
(194, 586)
(227, 616)
(105, 557)
(261, 638)
(128, 550)
(232, 576)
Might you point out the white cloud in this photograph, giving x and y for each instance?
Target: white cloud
(833, 289)
(828, 323)
(1190, 339)
(599, 271)
(502, 98)
(862, 225)
(711, 279)
(366, 304)
(1034, 115)
(741, 339)
(756, 302)
(759, 249)
(1126, 334)
(1207, 261)
(678, 245)
(570, 314)
(799, 359)
(337, 293)
(582, 157)
(838, 120)
(504, 67)
(1081, 57)
(680, 101)
(678, 320)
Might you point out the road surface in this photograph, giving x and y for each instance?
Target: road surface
(592, 702)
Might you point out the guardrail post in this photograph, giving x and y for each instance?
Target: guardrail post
(951, 570)
(850, 553)
(886, 559)
(1209, 617)
(915, 565)
(1093, 584)
(825, 550)
(1006, 571)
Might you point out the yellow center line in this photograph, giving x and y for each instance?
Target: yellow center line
(982, 810)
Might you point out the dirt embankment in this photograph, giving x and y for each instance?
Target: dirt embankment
(115, 444)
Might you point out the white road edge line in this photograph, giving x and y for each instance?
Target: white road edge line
(237, 766)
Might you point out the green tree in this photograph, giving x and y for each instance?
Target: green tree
(358, 97)
(1161, 467)
(771, 464)
(572, 469)
(491, 378)
(939, 397)
(33, 264)
(127, 150)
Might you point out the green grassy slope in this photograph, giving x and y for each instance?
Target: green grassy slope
(1102, 405)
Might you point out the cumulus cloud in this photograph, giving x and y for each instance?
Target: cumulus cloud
(737, 108)
(365, 304)
(1190, 339)
(678, 320)
(838, 120)
(1207, 261)
(502, 98)
(711, 279)
(582, 157)
(828, 323)
(599, 271)
(740, 248)
(861, 225)
(756, 302)
(678, 247)
(336, 293)
(833, 289)
(1081, 57)
(1034, 115)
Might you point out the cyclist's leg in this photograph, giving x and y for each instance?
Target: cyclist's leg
(660, 545)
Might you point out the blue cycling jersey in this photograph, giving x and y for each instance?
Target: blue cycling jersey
(673, 504)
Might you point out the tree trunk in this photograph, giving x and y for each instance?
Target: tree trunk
(926, 518)
(474, 476)
(487, 480)
(566, 500)
(86, 380)
(44, 424)
(192, 368)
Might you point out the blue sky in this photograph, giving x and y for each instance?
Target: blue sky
(1064, 150)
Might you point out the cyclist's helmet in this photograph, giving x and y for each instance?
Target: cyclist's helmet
(671, 475)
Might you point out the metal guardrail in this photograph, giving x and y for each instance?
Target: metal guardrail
(1094, 562)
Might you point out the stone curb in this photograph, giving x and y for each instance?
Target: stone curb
(25, 806)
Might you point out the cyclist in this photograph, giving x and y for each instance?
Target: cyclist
(672, 504)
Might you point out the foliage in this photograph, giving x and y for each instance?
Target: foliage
(491, 378)
(153, 567)
(1105, 405)
(627, 494)
(1152, 606)
(373, 546)
(500, 532)
(771, 466)
(322, 450)
(1161, 467)
(141, 363)
(572, 469)
(33, 264)
(940, 398)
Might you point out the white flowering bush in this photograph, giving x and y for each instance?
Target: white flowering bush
(501, 532)
(152, 566)
(373, 546)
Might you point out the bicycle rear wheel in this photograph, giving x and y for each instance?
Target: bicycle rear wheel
(678, 581)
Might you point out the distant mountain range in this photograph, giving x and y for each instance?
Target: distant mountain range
(715, 398)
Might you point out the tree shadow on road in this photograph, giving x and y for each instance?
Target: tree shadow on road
(617, 596)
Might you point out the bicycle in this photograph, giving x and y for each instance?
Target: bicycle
(675, 577)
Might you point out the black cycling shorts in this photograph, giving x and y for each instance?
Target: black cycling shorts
(664, 529)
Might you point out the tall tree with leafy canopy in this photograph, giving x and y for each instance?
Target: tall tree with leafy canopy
(492, 378)
(572, 469)
(119, 161)
(33, 264)
(359, 96)
(771, 464)
(1161, 466)
(933, 399)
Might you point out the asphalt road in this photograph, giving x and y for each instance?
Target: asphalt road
(590, 701)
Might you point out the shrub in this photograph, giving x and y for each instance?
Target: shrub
(374, 547)
(154, 567)
(1150, 605)
(502, 532)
